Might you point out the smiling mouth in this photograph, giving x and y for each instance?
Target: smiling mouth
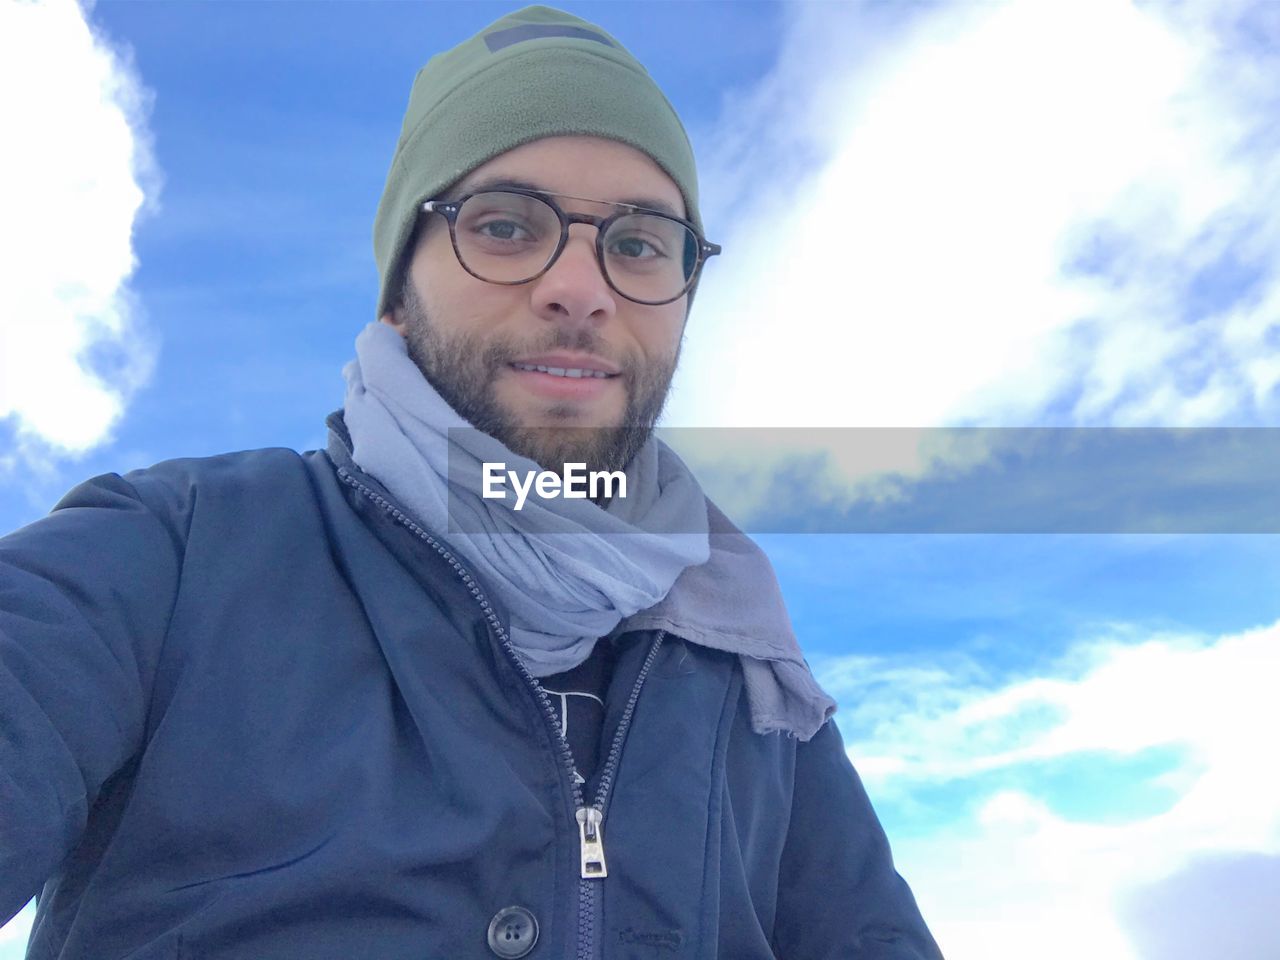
(571, 373)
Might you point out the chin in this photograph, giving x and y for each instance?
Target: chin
(565, 417)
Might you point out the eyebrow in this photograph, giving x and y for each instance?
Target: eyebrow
(499, 182)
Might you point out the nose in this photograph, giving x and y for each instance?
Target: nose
(574, 292)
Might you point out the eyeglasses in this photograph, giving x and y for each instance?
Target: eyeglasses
(513, 236)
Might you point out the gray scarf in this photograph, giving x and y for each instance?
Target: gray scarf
(568, 571)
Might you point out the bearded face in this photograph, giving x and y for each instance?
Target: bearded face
(466, 367)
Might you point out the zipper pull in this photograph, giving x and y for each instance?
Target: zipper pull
(590, 824)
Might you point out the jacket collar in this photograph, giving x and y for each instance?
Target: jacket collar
(339, 446)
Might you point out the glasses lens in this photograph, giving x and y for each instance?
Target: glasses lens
(650, 258)
(506, 237)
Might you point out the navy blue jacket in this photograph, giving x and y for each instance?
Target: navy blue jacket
(250, 710)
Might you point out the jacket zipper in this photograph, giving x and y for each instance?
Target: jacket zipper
(590, 819)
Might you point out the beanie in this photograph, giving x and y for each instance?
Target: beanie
(538, 72)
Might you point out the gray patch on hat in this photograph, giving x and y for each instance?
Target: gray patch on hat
(537, 31)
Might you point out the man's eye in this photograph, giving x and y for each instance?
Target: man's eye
(634, 248)
(502, 230)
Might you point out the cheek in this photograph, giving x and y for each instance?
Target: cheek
(659, 335)
(459, 303)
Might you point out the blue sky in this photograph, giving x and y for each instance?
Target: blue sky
(932, 215)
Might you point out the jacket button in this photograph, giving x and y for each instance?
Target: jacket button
(512, 932)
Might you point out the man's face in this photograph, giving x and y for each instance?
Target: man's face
(466, 335)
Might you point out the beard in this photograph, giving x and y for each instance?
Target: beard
(463, 368)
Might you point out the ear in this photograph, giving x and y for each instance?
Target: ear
(395, 317)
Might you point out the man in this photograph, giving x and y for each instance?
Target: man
(345, 705)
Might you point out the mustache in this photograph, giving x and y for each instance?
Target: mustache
(498, 354)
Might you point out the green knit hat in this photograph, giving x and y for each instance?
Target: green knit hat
(535, 73)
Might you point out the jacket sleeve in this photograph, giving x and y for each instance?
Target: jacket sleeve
(839, 895)
(85, 599)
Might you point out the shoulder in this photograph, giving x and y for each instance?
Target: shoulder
(223, 491)
(178, 486)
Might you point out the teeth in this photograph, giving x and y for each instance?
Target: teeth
(572, 372)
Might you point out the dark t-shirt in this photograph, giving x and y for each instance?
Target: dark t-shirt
(578, 698)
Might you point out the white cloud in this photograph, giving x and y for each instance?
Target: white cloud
(908, 199)
(14, 934)
(1015, 870)
(74, 176)
(1181, 918)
